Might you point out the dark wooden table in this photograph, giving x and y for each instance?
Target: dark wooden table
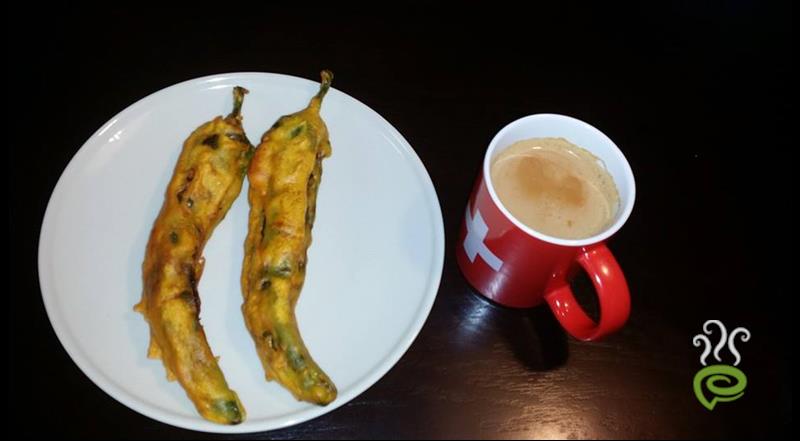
(697, 96)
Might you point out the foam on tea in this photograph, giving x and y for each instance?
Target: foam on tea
(555, 187)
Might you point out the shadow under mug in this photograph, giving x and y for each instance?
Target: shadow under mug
(516, 266)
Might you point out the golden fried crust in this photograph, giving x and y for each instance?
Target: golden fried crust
(284, 177)
(207, 179)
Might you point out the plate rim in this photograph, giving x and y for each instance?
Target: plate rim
(107, 385)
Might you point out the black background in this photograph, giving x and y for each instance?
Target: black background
(696, 94)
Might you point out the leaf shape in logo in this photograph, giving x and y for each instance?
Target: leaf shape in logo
(711, 377)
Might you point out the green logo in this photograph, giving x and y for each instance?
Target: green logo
(711, 377)
(723, 383)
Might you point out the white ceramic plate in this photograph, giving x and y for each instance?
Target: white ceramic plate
(373, 273)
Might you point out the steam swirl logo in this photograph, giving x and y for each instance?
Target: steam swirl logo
(723, 383)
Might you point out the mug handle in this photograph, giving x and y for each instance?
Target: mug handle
(612, 293)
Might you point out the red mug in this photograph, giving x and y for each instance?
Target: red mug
(516, 266)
